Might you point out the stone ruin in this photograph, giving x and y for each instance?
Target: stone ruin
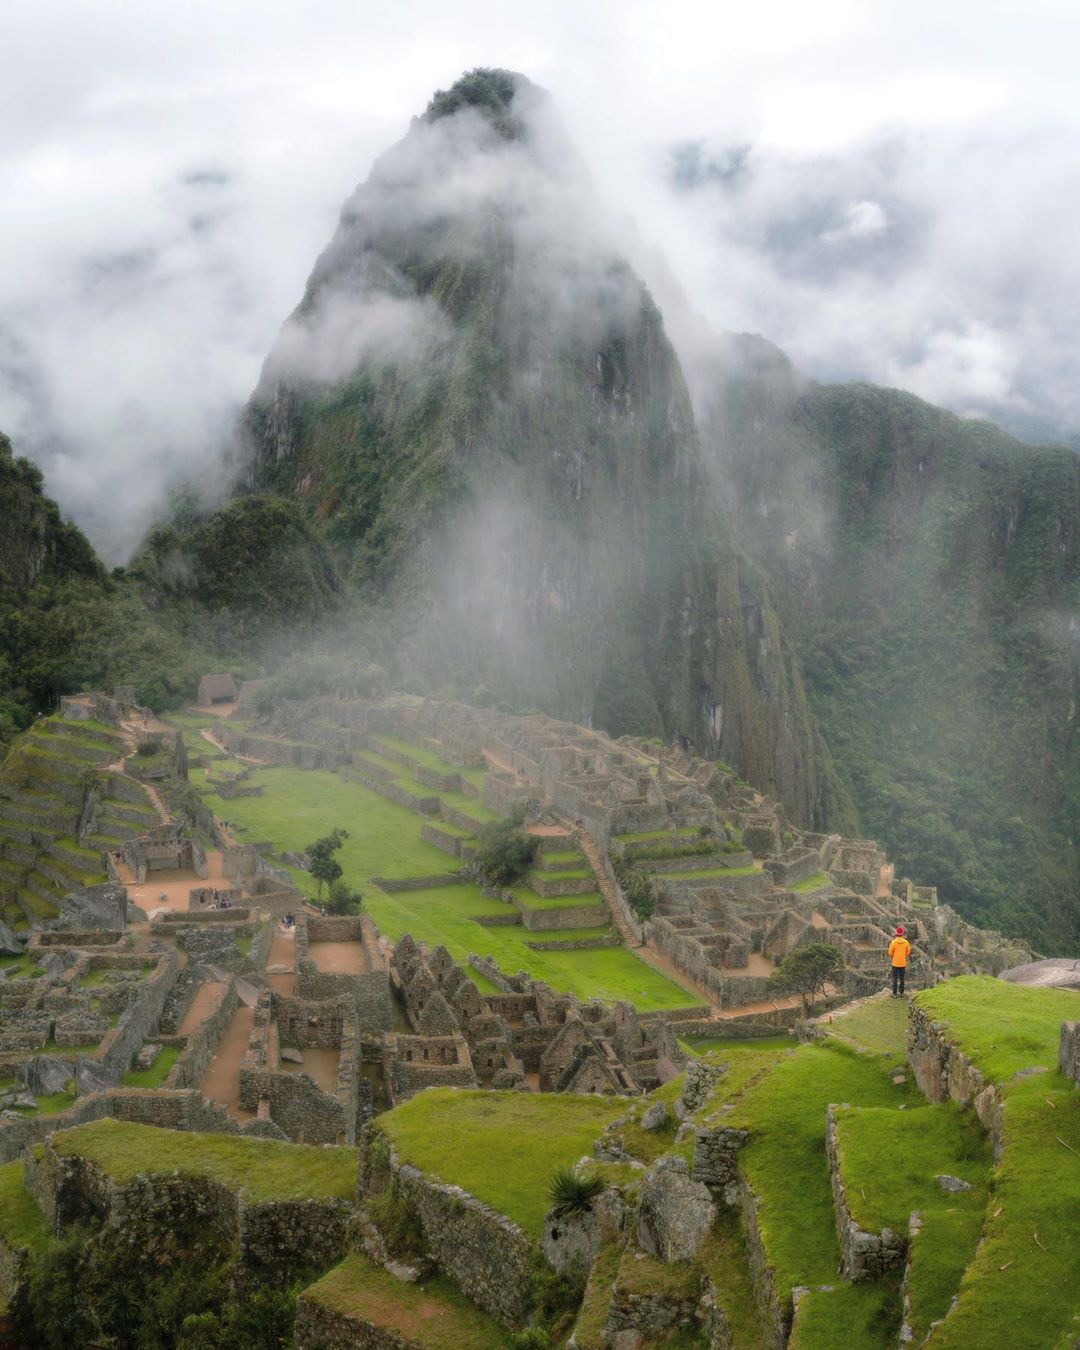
(525, 1036)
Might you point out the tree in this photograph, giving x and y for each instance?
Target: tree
(343, 899)
(806, 970)
(505, 851)
(323, 866)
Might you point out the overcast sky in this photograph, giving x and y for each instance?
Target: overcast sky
(886, 190)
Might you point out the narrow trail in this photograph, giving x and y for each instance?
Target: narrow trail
(221, 1082)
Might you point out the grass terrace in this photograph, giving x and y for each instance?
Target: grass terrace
(22, 1224)
(257, 1169)
(1023, 1276)
(709, 873)
(784, 1163)
(433, 1314)
(878, 1026)
(888, 1162)
(501, 1147)
(1001, 1027)
(817, 882)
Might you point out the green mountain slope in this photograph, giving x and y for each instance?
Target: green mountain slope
(477, 402)
(928, 570)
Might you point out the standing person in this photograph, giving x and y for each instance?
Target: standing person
(898, 955)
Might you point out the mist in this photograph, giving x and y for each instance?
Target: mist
(887, 197)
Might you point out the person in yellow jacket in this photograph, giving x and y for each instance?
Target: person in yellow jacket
(898, 955)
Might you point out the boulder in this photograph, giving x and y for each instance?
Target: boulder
(952, 1185)
(571, 1242)
(675, 1212)
(656, 1117)
(292, 1056)
(90, 1076)
(94, 907)
(146, 1056)
(10, 942)
(44, 1075)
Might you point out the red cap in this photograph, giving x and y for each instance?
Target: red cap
(899, 931)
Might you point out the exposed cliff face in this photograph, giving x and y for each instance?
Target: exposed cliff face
(478, 401)
(927, 569)
(35, 543)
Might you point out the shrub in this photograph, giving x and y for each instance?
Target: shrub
(505, 851)
(343, 899)
(572, 1190)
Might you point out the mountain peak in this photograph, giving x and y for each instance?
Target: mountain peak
(498, 95)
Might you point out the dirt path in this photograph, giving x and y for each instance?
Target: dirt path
(281, 961)
(207, 997)
(221, 1082)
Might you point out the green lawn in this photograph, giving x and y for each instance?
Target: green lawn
(888, 1162)
(878, 1025)
(739, 1047)
(443, 915)
(784, 1161)
(22, 1224)
(298, 806)
(1001, 1027)
(1021, 1290)
(427, 759)
(257, 1169)
(531, 900)
(501, 1147)
(433, 1314)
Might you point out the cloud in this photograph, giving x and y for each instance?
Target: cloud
(886, 191)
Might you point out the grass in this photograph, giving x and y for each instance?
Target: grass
(1001, 1027)
(427, 759)
(889, 1158)
(784, 1161)
(299, 806)
(644, 836)
(589, 1327)
(20, 967)
(501, 1147)
(815, 883)
(443, 915)
(257, 1169)
(848, 1316)
(725, 1257)
(22, 1224)
(530, 900)
(155, 1075)
(433, 1314)
(51, 1105)
(1019, 1292)
(725, 1047)
(878, 1025)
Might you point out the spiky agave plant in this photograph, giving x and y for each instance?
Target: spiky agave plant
(572, 1190)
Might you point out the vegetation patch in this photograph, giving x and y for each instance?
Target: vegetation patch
(22, 1224)
(257, 1169)
(155, 1075)
(502, 1147)
(1001, 1027)
(433, 1314)
(784, 1162)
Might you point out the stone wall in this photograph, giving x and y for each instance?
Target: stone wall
(196, 1055)
(863, 1255)
(116, 1051)
(1069, 1051)
(484, 1253)
(942, 1071)
(776, 1315)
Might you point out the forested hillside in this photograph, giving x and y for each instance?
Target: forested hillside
(928, 570)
